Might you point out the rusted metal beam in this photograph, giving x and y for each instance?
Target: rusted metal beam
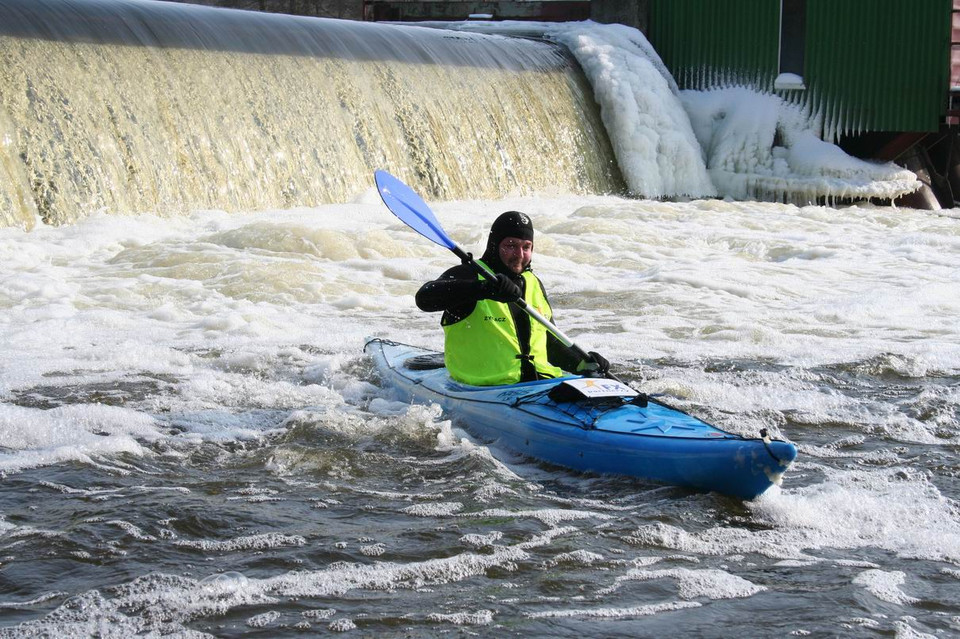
(899, 145)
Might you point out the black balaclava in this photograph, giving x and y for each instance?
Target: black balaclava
(509, 224)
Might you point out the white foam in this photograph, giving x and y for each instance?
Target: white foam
(434, 510)
(887, 509)
(32, 602)
(895, 509)
(579, 558)
(695, 584)
(385, 576)
(342, 625)
(481, 541)
(264, 620)
(70, 433)
(250, 542)
(478, 618)
(885, 585)
(904, 630)
(615, 613)
(373, 550)
(549, 516)
(324, 613)
(134, 531)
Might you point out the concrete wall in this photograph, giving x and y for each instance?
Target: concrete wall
(454, 10)
(346, 9)
(633, 13)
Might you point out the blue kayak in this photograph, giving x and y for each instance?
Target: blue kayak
(625, 434)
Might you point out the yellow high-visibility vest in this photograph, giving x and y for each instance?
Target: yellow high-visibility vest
(483, 349)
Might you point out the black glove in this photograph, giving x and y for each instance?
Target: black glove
(500, 289)
(596, 365)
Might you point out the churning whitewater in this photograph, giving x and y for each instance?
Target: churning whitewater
(192, 441)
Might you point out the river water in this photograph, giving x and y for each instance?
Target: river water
(192, 442)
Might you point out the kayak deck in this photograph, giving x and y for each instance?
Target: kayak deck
(640, 436)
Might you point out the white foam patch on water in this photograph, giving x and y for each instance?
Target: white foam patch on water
(89, 614)
(579, 558)
(803, 397)
(388, 494)
(133, 530)
(263, 541)
(342, 625)
(434, 510)
(695, 584)
(593, 504)
(887, 508)
(33, 437)
(482, 541)
(544, 538)
(324, 613)
(478, 618)
(550, 517)
(14, 532)
(32, 602)
(895, 509)
(615, 613)
(386, 576)
(904, 630)
(373, 550)
(885, 585)
(264, 619)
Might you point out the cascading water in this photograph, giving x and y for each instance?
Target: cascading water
(131, 107)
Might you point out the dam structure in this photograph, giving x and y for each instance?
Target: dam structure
(143, 107)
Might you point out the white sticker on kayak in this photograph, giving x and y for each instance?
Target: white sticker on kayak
(600, 387)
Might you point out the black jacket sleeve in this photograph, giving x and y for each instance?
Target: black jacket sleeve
(455, 292)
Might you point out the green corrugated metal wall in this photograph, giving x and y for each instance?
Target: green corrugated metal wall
(707, 43)
(870, 65)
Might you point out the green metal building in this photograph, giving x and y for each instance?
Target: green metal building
(877, 71)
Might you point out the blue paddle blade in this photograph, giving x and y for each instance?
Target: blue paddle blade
(410, 208)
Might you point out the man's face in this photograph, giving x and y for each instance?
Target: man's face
(516, 253)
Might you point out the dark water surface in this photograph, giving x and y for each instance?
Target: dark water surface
(358, 521)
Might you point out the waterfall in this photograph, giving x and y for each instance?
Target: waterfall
(134, 106)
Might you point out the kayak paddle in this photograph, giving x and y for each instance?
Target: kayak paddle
(414, 212)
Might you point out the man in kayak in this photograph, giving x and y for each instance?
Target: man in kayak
(488, 341)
